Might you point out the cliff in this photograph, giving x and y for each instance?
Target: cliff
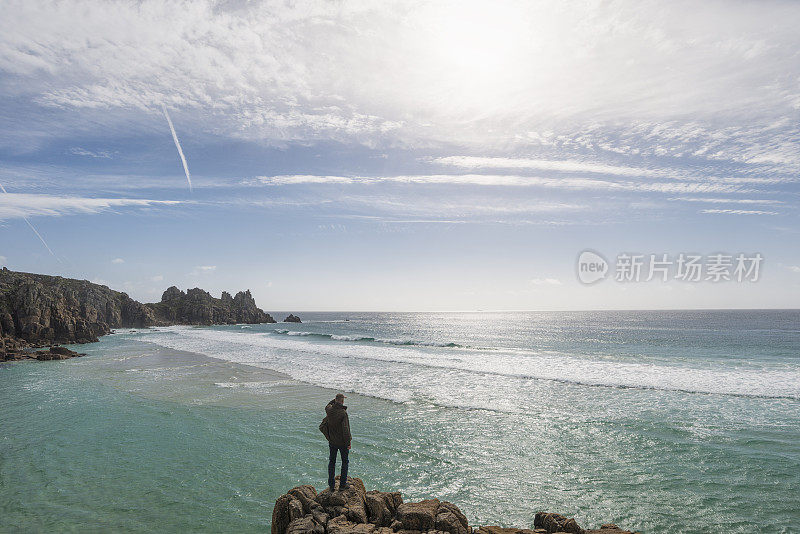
(357, 511)
(199, 307)
(39, 310)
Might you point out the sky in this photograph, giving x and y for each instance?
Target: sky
(403, 155)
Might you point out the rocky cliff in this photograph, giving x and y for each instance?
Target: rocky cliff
(357, 511)
(38, 310)
(199, 307)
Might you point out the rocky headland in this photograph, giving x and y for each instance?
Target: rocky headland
(355, 510)
(38, 310)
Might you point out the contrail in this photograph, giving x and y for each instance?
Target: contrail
(178, 146)
(35, 231)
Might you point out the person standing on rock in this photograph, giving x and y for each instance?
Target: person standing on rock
(336, 428)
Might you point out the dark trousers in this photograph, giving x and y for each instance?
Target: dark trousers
(332, 465)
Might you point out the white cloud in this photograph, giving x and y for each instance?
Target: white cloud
(3, 260)
(636, 77)
(472, 162)
(728, 200)
(545, 281)
(203, 269)
(78, 151)
(18, 205)
(509, 180)
(740, 212)
(117, 260)
(157, 278)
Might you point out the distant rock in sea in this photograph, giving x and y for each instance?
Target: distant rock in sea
(355, 510)
(38, 310)
(291, 318)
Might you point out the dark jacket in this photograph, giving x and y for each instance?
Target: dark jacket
(338, 424)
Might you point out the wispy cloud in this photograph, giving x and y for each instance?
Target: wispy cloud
(22, 205)
(739, 212)
(117, 261)
(473, 162)
(728, 200)
(78, 151)
(591, 78)
(509, 180)
(203, 269)
(545, 281)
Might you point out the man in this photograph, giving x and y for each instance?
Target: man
(338, 439)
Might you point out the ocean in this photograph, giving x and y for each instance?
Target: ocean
(660, 421)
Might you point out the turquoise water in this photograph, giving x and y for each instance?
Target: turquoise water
(659, 421)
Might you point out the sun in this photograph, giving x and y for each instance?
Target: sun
(470, 54)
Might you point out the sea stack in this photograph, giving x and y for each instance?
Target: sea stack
(291, 318)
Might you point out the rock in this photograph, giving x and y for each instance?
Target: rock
(306, 495)
(340, 525)
(357, 511)
(284, 513)
(381, 506)
(197, 306)
(418, 515)
(291, 318)
(500, 530)
(305, 525)
(56, 353)
(350, 502)
(556, 523)
(64, 351)
(450, 519)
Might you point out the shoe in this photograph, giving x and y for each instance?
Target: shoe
(331, 488)
(343, 487)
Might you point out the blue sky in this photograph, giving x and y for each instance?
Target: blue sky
(402, 156)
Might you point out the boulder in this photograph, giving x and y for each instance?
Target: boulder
(450, 519)
(382, 506)
(341, 525)
(418, 515)
(287, 509)
(350, 502)
(556, 523)
(291, 318)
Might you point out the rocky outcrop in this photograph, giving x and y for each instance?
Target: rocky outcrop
(357, 511)
(200, 308)
(39, 310)
(292, 318)
(55, 353)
